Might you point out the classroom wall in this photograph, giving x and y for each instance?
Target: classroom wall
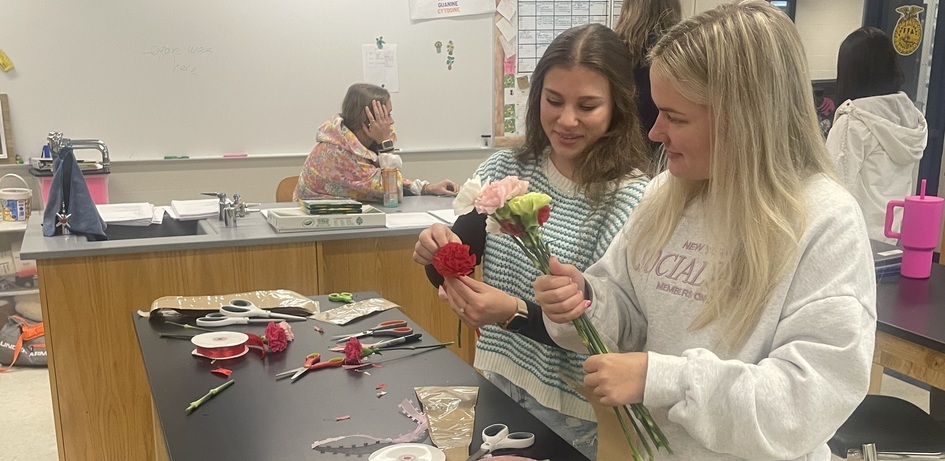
(823, 24)
(254, 178)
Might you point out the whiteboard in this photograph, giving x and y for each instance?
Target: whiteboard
(208, 77)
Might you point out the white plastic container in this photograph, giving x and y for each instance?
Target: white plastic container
(15, 200)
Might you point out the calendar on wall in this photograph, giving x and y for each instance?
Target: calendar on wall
(524, 29)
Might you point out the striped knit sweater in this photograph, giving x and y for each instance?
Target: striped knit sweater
(575, 237)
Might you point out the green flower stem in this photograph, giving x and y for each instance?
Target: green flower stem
(173, 336)
(539, 254)
(184, 325)
(216, 390)
(633, 449)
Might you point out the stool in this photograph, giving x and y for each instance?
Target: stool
(892, 424)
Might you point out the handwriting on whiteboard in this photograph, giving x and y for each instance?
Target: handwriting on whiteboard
(184, 59)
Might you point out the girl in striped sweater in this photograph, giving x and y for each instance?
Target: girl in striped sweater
(584, 148)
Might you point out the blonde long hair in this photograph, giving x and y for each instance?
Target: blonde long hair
(744, 61)
(642, 19)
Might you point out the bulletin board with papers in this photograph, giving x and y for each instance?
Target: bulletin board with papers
(523, 30)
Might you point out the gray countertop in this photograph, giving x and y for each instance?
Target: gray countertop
(251, 230)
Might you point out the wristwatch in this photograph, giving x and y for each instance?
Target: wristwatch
(518, 320)
(386, 146)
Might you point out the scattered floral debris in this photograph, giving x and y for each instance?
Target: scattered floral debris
(222, 371)
(342, 418)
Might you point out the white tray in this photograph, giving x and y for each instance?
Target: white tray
(297, 220)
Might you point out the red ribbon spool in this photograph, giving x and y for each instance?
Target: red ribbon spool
(221, 345)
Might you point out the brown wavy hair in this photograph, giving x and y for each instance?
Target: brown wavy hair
(621, 152)
(642, 21)
(356, 99)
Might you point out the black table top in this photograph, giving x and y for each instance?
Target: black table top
(259, 418)
(913, 309)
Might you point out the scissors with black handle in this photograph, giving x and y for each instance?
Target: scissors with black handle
(395, 328)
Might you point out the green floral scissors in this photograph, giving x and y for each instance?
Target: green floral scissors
(342, 297)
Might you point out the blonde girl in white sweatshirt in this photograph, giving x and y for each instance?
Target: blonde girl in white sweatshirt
(741, 295)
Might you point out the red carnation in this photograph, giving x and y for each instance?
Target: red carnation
(512, 228)
(353, 351)
(454, 260)
(276, 337)
(543, 214)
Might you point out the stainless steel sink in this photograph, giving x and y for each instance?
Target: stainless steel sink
(168, 228)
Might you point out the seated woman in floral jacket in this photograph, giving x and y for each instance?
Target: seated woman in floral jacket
(344, 162)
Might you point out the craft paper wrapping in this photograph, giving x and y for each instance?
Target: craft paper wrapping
(451, 414)
(263, 299)
(435, 9)
(353, 311)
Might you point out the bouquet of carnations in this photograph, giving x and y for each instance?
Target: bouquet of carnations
(514, 211)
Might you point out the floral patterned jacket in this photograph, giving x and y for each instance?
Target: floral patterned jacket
(340, 166)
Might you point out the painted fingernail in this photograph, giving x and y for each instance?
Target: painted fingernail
(587, 303)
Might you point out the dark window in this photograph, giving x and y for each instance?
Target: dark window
(789, 7)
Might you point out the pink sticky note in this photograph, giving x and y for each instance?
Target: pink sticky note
(510, 64)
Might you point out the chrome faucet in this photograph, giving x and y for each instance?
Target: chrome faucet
(57, 142)
(231, 209)
(223, 201)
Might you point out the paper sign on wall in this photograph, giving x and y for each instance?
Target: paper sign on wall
(380, 66)
(434, 9)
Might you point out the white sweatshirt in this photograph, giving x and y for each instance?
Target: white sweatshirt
(877, 143)
(799, 375)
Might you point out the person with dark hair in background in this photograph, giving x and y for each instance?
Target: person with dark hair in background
(641, 24)
(344, 162)
(878, 135)
(583, 147)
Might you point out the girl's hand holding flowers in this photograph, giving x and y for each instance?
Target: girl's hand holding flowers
(476, 303)
(431, 240)
(561, 295)
(617, 379)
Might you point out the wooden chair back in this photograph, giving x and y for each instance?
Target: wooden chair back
(286, 188)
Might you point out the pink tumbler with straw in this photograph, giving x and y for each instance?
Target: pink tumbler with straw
(921, 221)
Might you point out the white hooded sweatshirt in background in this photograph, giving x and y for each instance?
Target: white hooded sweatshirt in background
(877, 143)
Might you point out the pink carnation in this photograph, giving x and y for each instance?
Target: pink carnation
(288, 330)
(494, 194)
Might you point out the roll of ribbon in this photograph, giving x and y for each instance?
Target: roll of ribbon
(408, 452)
(220, 345)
